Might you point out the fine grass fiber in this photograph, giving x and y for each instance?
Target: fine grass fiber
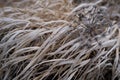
(60, 40)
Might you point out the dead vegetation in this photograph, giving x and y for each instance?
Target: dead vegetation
(60, 40)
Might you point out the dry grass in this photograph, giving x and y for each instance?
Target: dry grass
(60, 40)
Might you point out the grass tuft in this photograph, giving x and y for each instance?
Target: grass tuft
(60, 40)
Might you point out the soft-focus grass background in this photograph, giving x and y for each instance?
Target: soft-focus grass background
(59, 40)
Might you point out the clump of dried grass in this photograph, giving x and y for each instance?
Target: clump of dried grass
(55, 40)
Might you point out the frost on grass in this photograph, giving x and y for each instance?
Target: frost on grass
(60, 40)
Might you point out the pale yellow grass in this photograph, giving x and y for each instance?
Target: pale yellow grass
(48, 40)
